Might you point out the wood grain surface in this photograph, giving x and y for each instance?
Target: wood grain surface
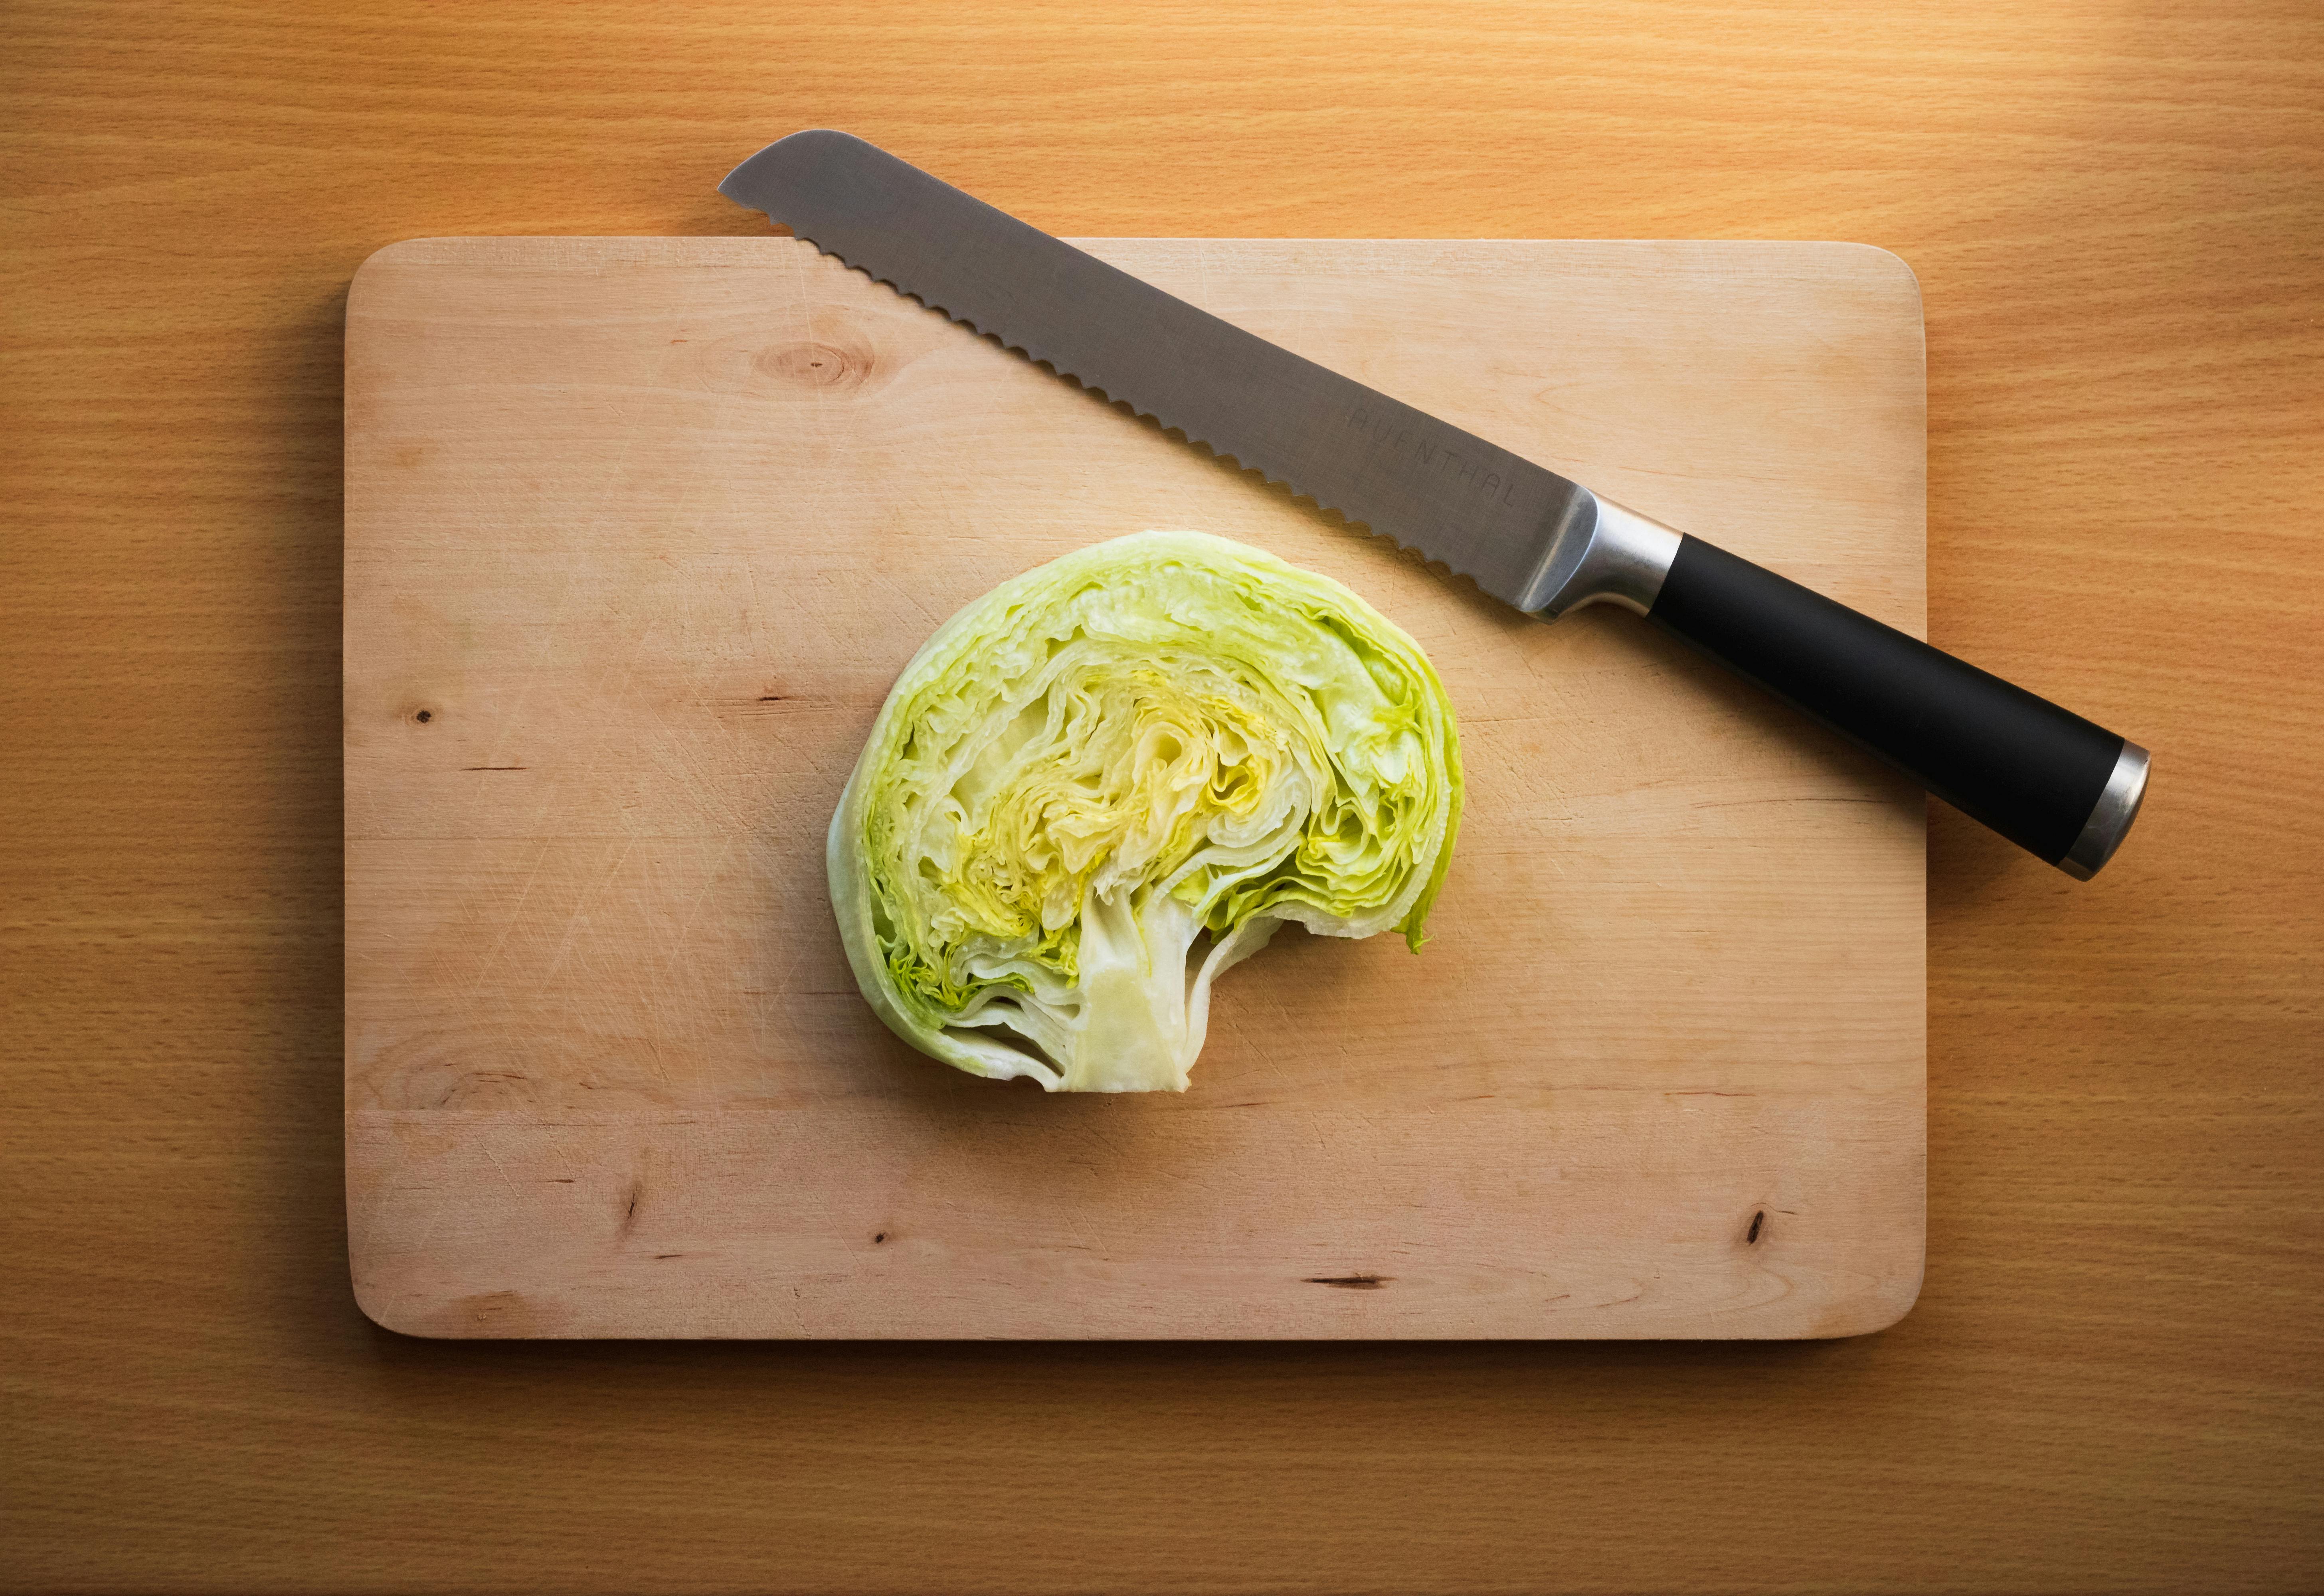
(638, 531)
(2110, 1381)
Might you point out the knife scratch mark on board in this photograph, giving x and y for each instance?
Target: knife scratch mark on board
(501, 1169)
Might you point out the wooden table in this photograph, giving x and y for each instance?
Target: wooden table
(2109, 1383)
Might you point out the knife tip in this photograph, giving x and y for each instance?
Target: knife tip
(750, 180)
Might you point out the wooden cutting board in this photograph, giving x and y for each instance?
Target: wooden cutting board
(638, 531)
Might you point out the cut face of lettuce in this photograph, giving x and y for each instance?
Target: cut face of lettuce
(1111, 778)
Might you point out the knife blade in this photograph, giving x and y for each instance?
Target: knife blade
(2055, 784)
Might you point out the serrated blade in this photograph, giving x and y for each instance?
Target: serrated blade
(1486, 513)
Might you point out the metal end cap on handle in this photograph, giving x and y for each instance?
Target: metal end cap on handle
(2110, 817)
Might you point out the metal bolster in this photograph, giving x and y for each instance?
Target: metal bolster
(1624, 562)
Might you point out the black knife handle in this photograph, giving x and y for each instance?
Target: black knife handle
(2057, 786)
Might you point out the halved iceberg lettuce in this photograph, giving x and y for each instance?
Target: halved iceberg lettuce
(1097, 763)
